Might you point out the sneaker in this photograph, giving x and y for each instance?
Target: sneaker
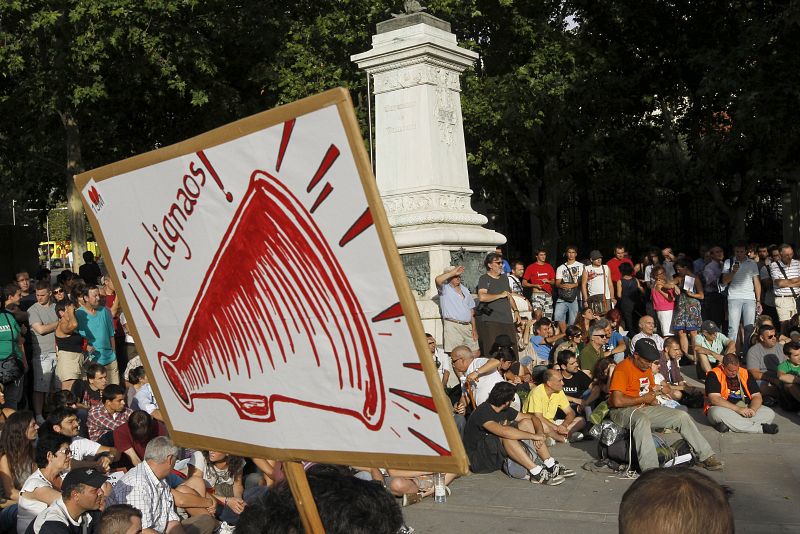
(575, 437)
(547, 478)
(770, 401)
(225, 528)
(769, 428)
(712, 464)
(721, 427)
(559, 470)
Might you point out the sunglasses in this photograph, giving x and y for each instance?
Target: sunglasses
(604, 336)
(57, 291)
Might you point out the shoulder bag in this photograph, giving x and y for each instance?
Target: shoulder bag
(568, 295)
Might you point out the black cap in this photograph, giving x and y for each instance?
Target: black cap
(709, 326)
(84, 475)
(646, 348)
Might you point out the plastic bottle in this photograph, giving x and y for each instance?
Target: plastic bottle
(439, 488)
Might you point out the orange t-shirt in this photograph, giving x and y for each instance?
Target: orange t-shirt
(630, 380)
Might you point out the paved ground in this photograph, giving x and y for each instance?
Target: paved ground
(763, 471)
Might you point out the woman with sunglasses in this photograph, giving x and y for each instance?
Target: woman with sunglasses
(39, 491)
(59, 294)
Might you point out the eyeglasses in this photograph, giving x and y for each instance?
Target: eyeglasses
(65, 452)
(57, 291)
(773, 336)
(604, 336)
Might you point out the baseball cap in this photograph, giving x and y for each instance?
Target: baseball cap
(709, 326)
(88, 476)
(595, 255)
(647, 349)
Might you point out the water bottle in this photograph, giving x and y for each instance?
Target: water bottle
(439, 488)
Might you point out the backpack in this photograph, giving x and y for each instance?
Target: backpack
(515, 470)
(678, 453)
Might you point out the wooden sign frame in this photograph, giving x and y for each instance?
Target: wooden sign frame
(456, 461)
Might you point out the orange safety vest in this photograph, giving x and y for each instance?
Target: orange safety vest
(723, 380)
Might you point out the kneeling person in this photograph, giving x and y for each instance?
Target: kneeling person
(495, 432)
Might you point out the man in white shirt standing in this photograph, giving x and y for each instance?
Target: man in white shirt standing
(458, 310)
(740, 274)
(786, 282)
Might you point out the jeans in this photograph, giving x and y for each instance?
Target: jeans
(566, 311)
(744, 311)
(13, 392)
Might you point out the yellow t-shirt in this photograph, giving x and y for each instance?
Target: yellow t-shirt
(539, 402)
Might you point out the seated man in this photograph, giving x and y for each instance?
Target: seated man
(132, 437)
(789, 370)
(146, 401)
(545, 400)
(542, 342)
(576, 383)
(104, 418)
(144, 487)
(77, 509)
(120, 519)
(647, 330)
(710, 345)
(494, 433)
(481, 373)
(763, 359)
(670, 368)
(85, 452)
(634, 406)
(733, 401)
(88, 391)
(594, 350)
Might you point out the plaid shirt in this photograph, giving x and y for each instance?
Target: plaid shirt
(100, 421)
(140, 488)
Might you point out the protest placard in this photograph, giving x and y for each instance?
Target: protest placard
(267, 298)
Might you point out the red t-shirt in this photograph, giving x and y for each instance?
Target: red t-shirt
(613, 265)
(630, 380)
(536, 272)
(124, 441)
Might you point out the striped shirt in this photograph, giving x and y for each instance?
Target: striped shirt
(792, 271)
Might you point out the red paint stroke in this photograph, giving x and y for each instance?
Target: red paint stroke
(362, 223)
(276, 304)
(416, 398)
(397, 320)
(384, 334)
(401, 406)
(395, 310)
(417, 417)
(288, 126)
(214, 175)
(396, 433)
(322, 196)
(415, 366)
(330, 157)
(441, 451)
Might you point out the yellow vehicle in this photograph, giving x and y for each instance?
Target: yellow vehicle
(56, 253)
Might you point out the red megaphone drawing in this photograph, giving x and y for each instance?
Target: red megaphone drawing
(276, 320)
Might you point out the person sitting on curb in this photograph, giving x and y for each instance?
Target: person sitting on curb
(634, 405)
(495, 432)
(542, 341)
(710, 345)
(789, 370)
(733, 401)
(762, 363)
(545, 400)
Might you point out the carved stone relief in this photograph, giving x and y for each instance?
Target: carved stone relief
(418, 271)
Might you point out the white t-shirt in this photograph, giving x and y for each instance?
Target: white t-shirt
(741, 287)
(597, 282)
(486, 382)
(83, 448)
(570, 274)
(29, 508)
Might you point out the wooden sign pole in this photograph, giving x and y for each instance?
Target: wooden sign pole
(304, 500)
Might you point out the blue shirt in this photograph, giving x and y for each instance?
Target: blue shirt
(541, 348)
(98, 329)
(455, 306)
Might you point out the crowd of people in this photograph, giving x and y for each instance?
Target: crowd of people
(538, 356)
(543, 352)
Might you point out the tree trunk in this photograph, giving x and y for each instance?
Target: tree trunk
(77, 224)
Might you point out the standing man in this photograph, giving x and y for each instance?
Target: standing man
(97, 326)
(714, 301)
(500, 312)
(785, 274)
(634, 405)
(733, 401)
(619, 258)
(90, 271)
(12, 342)
(568, 278)
(523, 305)
(27, 299)
(740, 274)
(506, 266)
(458, 310)
(43, 320)
(77, 510)
(539, 277)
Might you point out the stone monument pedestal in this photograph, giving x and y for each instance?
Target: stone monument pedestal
(420, 157)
